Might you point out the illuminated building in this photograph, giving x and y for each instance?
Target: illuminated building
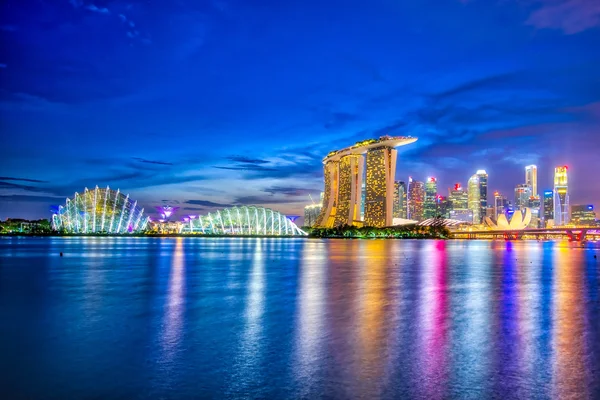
(522, 195)
(500, 204)
(400, 199)
(548, 208)
(474, 198)
(561, 196)
(534, 204)
(462, 215)
(483, 184)
(100, 211)
(246, 220)
(458, 198)
(531, 179)
(583, 215)
(416, 198)
(344, 170)
(442, 207)
(379, 186)
(430, 205)
(311, 213)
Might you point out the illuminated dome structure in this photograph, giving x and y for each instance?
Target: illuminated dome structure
(519, 221)
(99, 211)
(245, 220)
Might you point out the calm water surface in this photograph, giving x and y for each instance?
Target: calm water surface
(293, 318)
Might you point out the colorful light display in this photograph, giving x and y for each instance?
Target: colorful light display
(99, 211)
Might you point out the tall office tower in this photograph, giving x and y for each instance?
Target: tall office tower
(475, 198)
(416, 198)
(548, 208)
(430, 205)
(483, 184)
(311, 214)
(442, 207)
(535, 206)
(399, 199)
(531, 179)
(583, 215)
(522, 195)
(458, 198)
(379, 196)
(561, 196)
(500, 204)
(349, 189)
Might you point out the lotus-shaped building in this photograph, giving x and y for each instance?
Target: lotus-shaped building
(99, 211)
(520, 220)
(245, 220)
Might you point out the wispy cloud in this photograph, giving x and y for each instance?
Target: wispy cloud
(96, 9)
(143, 160)
(570, 16)
(9, 178)
(247, 160)
(3, 65)
(206, 203)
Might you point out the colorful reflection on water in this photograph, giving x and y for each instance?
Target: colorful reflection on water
(281, 318)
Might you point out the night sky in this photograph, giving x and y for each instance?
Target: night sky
(202, 104)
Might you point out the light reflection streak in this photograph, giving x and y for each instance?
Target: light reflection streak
(175, 304)
(372, 316)
(248, 360)
(311, 316)
(569, 375)
(433, 323)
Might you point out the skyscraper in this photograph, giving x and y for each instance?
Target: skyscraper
(583, 214)
(500, 204)
(483, 184)
(416, 198)
(311, 213)
(459, 204)
(561, 196)
(399, 199)
(531, 179)
(522, 195)
(430, 205)
(548, 208)
(475, 198)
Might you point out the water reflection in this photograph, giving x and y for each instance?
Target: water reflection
(175, 304)
(569, 374)
(310, 333)
(262, 318)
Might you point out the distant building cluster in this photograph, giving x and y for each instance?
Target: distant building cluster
(363, 191)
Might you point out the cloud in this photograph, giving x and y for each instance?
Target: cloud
(143, 160)
(3, 65)
(100, 10)
(18, 186)
(122, 18)
(206, 203)
(247, 160)
(570, 16)
(8, 178)
(8, 28)
(246, 168)
(258, 200)
(290, 191)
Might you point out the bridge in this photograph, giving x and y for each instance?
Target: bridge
(572, 234)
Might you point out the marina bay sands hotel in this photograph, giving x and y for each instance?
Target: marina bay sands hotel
(344, 171)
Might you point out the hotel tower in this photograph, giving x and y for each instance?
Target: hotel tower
(344, 170)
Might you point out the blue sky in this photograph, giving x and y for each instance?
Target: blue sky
(201, 104)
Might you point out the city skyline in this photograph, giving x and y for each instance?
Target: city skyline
(204, 106)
